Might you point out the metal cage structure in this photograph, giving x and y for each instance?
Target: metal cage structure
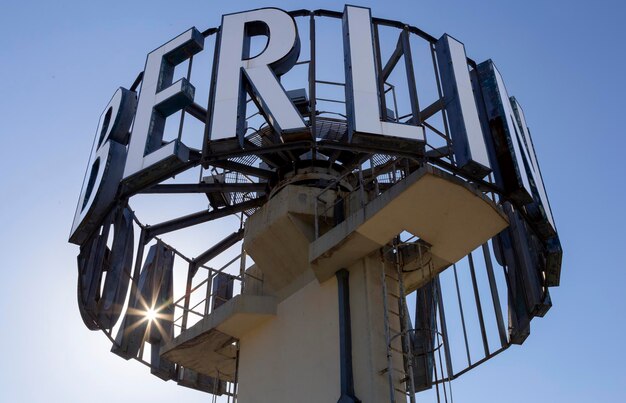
(459, 317)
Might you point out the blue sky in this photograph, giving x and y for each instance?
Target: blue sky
(62, 60)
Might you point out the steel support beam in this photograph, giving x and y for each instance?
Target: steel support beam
(345, 339)
(200, 217)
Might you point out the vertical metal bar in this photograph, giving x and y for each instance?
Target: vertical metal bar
(395, 103)
(316, 221)
(379, 68)
(236, 382)
(494, 295)
(182, 112)
(190, 272)
(312, 74)
(437, 372)
(209, 286)
(450, 390)
(374, 177)
(444, 327)
(479, 308)
(443, 384)
(345, 337)
(242, 269)
(441, 100)
(458, 295)
(361, 186)
(410, 76)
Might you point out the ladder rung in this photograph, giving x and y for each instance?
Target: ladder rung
(393, 295)
(397, 351)
(400, 352)
(391, 277)
(385, 370)
(401, 391)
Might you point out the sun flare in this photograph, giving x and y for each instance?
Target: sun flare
(151, 314)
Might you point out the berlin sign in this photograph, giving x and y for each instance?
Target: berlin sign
(482, 137)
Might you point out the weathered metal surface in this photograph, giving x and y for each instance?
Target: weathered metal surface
(423, 338)
(470, 150)
(106, 165)
(154, 294)
(100, 300)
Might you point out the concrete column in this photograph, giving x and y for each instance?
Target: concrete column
(294, 357)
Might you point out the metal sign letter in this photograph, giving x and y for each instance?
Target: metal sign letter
(362, 92)
(158, 99)
(500, 113)
(470, 151)
(236, 72)
(107, 159)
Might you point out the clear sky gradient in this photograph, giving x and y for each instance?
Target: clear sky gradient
(60, 62)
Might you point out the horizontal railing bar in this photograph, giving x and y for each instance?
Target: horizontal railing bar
(330, 83)
(205, 188)
(331, 100)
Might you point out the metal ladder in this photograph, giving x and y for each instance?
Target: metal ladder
(394, 304)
